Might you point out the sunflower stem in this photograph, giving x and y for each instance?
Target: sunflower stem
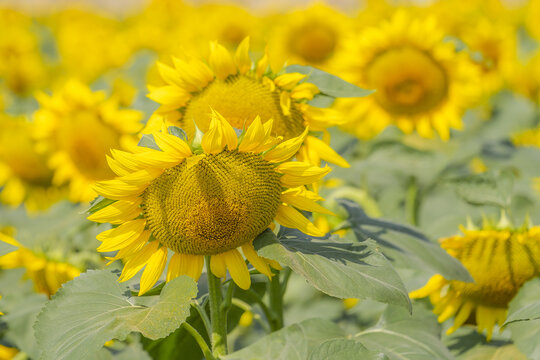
(217, 316)
(276, 302)
(200, 340)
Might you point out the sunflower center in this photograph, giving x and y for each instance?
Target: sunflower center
(314, 42)
(86, 140)
(500, 265)
(408, 81)
(17, 152)
(240, 99)
(210, 204)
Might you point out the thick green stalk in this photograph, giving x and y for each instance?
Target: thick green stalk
(199, 339)
(276, 302)
(219, 321)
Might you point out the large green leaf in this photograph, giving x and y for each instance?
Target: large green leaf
(402, 337)
(329, 84)
(404, 239)
(524, 323)
(339, 349)
(485, 189)
(342, 270)
(295, 342)
(93, 308)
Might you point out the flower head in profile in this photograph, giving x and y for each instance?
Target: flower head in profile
(421, 82)
(78, 128)
(499, 260)
(46, 273)
(24, 175)
(211, 200)
(241, 90)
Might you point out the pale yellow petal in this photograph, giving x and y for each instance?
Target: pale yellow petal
(286, 149)
(255, 260)
(300, 173)
(117, 212)
(121, 236)
(325, 152)
(153, 270)
(237, 268)
(137, 262)
(288, 81)
(217, 265)
(292, 218)
(172, 144)
(241, 57)
(117, 190)
(221, 61)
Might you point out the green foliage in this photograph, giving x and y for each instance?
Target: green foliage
(343, 270)
(147, 140)
(405, 239)
(178, 132)
(93, 309)
(6, 248)
(338, 349)
(99, 203)
(329, 84)
(485, 189)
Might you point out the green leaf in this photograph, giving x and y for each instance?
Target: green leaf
(527, 313)
(295, 342)
(178, 132)
(402, 337)
(339, 349)
(329, 84)
(99, 203)
(485, 189)
(147, 140)
(405, 239)
(322, 101)
(525, 327)
(342, 270)
(6, 248)
(93, 309)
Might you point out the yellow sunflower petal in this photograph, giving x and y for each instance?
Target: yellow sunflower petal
(117, 212)
(285, 103)
(153, 270)
(173, 269)
(300, 173)
(221, 61)
(172, 144)
(133, 248)
(141, 177)
(121, 236)
(155, 158)
(325, 152)
(292, 218)
(255, 260)
(212, 140)
(286, 149)
(241, 57)
(253, 137)
(237, 268)
(217, 265)
(191, 265)
(137, 262)
(304, 203)
(230, 139)
(434, 284)
(288, 81)
(462, 316)
(117, 190)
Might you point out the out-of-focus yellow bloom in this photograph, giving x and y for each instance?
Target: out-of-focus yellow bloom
(89, 44)
(241, 90)
(530, 137)
(246, 319)
(533, 14)
(311, 36)
(500, 262)
(23, 171)
(477, 166)
(494, 47)
(7, 353)
(421, 82)
(21, 66)
(526, 79)
(78, 128)
(47, 274)
(349, 303)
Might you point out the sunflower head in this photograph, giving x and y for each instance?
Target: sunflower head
(47, 274)
(421, 82)
(500, 260)
(240, 90)
(23, 171)
(79, 127)
(206, 200)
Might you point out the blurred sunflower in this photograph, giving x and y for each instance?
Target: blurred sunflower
(311, 36)
(420, 81)
(500, 262)
(24, 177)
(495, 47)
(526, 79)
(79, 127)
(241, 91)
(47, 274)
(21, 65)
(207, 203)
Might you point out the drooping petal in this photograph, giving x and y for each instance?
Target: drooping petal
(255, 260)
(153, 270)
(292, 218)
(121, 236)
(286, 149)
(217, 265)
(304, 203)
(237, 268)
(137, 262)
(299, 173)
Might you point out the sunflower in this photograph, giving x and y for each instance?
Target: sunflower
(24, 177)
(500, 262)
(311, 36)
(208, 201)
(240, 91)
(79, 127)
(420, 81)
(47, 274)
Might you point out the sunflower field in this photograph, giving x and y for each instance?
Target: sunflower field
(270, 180)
